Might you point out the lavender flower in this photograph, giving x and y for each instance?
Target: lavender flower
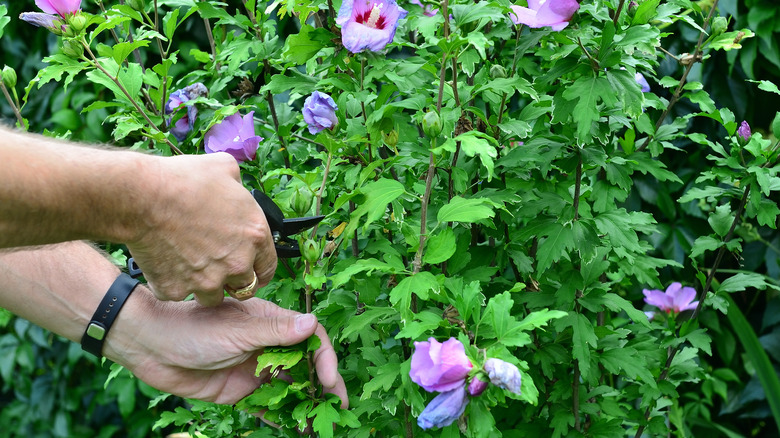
(368, 24)
(234, 135)
(49, 21)
(542, 13)
(444, 408)
(319, 112)
(744, 131)
(503, 374)
(440, 366)
(477, 386)
(640, 79)
(676, 298)
(184, 125)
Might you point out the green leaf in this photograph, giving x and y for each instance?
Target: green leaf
(583, 337)
(776, 124)
(730, 40)
(122, 50)
(539, 318)
(645, 12)
(499, 323)
(741, 281)
(472, 12)
(383, 378)
(420, 284)
(758, 357)
(296, 83)
(704, 243)
(325, 416)
(300, 47)
(475, 143)
(440, 247)
(4, 19)
(376, 196)
(465, 210)
(766, 86)
(721, 219)
(274, 359)
(587, 91)
(629, 360)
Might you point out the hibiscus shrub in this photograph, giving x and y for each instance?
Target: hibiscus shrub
(483, 259)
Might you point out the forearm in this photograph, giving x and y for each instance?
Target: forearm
(53, 191)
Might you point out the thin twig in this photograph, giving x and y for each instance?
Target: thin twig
(697, 55)
(18, 115)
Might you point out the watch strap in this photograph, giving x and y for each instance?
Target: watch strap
(105, 314)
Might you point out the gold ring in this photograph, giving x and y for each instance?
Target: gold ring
(245, 292)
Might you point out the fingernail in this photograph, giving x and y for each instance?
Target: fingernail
(304, 323)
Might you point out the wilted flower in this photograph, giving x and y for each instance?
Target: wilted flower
(40, 19)
(477, 386)
(368, 24)
(184, 125)
(503, 374)
(427, 8)
(319, 112)
(440, 366)
(234, 135)
(444, 408)
(676, 298)
(541, 13)
(640, 79)
(744, 131)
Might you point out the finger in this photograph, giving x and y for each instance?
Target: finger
(282, 330)
(246, 291)
(326, 364)
(209, 299)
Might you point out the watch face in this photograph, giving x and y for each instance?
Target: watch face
(96, 331)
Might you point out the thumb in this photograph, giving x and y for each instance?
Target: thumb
(285, 329)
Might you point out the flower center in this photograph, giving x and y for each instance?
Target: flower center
(372, 18)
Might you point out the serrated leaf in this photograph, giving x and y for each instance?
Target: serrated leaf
(276, 359)
(539, 318)
(376, 196)
(325, 416)
(704, 243)
(419, 284)
(587, 91)
(583, 337)
(120, 51)
(730, 40)
(475, 143)
(741, 281)
(440, 247)
(720, 220)
(300, 47)
(465, 210)
(645, 12)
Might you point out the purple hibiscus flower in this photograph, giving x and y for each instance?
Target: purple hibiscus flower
(440, 366)
(542, 13)
(477, 386)
(503, 374)
(368, 24)
(53, 10)
(319, 112)
(744, 131)
(676, 299)
(444, 408)
(184, 125)
(234, 135)
(640, 79)
(59, 7)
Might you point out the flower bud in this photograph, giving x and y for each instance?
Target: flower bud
(77, 23)
(9, 77)
(391, 138)
(310, 250)
(72, 48)
(743, 132)
(301, 200)
(477, 386)
(503, 374)
(719, 25)
(138, 5)
(497, 71)
(431, 124)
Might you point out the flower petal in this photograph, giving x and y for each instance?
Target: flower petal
(444, 409)
(657, 298)
(522, 15)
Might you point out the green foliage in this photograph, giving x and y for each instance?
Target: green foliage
(526, 227)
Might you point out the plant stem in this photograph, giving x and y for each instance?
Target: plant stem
(18, 115)
(318, 205)
(617, 13)
(577, 187)
(129, 97)
(678, 91)
(575, 396)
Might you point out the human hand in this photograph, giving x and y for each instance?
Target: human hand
(210, 353)
(202, 231)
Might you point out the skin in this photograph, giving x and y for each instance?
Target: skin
(207, 353)
(188, 221)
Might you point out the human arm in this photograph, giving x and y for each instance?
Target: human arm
(208, 353)
(188, 221)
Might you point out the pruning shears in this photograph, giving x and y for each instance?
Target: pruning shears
(282, 230)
